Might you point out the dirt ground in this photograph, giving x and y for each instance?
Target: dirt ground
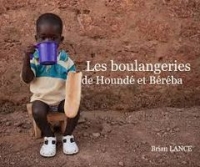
(109, 139)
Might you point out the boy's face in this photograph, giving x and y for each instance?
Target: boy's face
(48, 32)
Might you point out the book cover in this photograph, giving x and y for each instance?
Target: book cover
(140, 93)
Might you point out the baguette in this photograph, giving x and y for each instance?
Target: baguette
(73, 94)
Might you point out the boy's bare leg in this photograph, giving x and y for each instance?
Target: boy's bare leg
(71, 122)
(40, 111)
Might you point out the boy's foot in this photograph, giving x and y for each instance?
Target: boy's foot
(69, 145)
(48, 149)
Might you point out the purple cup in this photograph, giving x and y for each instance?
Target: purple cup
(47, 52)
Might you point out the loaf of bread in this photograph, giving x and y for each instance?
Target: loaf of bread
(73, 94)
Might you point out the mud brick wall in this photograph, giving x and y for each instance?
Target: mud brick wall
(103, 30)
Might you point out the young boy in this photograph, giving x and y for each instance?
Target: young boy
(47, 84)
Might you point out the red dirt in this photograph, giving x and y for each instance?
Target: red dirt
(109, 139)
(100, 31)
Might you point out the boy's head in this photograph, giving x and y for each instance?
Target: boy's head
(49, 26)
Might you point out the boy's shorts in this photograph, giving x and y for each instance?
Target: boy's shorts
(53, 108)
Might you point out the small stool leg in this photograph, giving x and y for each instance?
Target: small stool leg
(37, 131)
(63, 125)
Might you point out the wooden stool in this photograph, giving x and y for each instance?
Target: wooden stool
(54, 117)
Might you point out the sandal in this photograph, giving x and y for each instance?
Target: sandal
(48, 149)
(69, 145)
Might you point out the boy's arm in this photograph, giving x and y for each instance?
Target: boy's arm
(27, 74)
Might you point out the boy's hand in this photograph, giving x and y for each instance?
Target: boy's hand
(30, 49)
(27, 73)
